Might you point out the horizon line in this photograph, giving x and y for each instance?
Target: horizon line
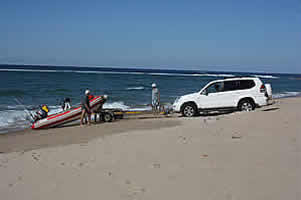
(147, 68)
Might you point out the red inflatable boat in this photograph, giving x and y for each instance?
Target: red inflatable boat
(66, 116)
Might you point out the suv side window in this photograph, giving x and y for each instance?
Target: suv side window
(246, 84)
(231, 85)
(215, 87)
(238, 85)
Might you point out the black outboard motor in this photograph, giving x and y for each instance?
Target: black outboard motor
(41, 113)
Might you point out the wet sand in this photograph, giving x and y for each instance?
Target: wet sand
(236, 156)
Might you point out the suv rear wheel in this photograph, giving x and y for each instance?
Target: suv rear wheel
(246, 105)
(189, 110)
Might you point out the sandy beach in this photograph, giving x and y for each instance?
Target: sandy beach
(253, 156)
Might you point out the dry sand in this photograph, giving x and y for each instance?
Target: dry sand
(236, 156)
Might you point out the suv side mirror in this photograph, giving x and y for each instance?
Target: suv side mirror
(204, 92)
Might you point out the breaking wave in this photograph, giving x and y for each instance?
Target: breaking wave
(266, 76)
(135, 88)
(215, 75)
(117, 105)
(13, 120)
(28, 70)
(121, 72)
(286, 94)
(106, 72)
(193, 75)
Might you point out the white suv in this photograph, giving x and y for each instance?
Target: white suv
(244, 94)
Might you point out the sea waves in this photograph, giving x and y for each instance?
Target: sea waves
(135, 88)
(226, 75)
(121, 72)
(266, 76)
(286, 94)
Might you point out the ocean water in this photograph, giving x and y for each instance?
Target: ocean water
(23, 88)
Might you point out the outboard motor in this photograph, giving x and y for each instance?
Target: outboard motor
(41, 113)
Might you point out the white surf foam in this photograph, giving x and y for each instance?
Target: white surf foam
(28, 70)
(169, 74)
(200, 75)
(147, 108)
(135, 88)
(286, 94)
(107, 72)
(14, 107)
(12, 119)
(112, 72)
(116, 105)
(122, 106)
(266, 76)
(215, 75)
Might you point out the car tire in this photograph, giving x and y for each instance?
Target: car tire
(189, 110)
(107, 117)
(246, 105)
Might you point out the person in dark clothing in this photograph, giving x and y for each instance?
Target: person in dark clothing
(66, 103)
(86, 109)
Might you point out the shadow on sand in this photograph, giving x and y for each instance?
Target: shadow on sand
(270, 109)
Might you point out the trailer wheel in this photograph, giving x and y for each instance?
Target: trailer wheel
(107, 117)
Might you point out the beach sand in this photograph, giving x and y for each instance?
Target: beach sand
(245, 156)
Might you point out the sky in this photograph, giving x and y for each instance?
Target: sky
(227, 35)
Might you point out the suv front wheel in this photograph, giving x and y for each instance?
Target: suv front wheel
(189, 110)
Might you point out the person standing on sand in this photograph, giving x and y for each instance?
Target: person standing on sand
(86, 109)
(155, 98)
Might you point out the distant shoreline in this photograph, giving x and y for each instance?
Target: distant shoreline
(136, 69)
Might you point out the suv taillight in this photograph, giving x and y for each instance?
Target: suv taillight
(262, 88)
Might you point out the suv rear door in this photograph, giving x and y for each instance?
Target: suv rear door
(236, 89)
